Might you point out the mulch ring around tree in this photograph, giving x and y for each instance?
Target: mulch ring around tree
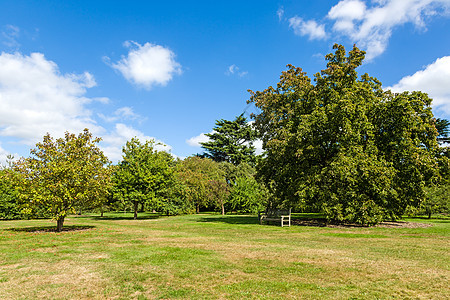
(51, 228)
(316, 222)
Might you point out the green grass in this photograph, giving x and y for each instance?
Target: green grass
(214, 257)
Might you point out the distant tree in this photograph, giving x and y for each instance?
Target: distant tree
(144, 175)
(443, 129)
(231, 141)
(204, 182)
(246, 194)
(9, 205)
(437, 200)
(343, 145)
(62, 174)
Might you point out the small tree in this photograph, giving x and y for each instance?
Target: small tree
(62, 174)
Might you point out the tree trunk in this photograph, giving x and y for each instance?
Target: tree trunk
(135, 209)
(59, 224)
(198, 208)
(101, 212)
(223, 210)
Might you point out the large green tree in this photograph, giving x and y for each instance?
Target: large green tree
(63, 174)
(144, 175)
(343, 145)
(231, 141)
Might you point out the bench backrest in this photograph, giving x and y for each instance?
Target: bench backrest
(278, 212)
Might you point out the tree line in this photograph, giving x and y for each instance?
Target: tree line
(341, 146)
(71, 174)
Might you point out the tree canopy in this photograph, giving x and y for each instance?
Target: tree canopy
(143, 176)
(62, 174)
(231, 141)
(203, 182)
(344, 145)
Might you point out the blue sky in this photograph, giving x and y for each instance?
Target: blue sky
(168, 70)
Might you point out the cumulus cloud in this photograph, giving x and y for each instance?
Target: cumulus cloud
(234, 70)
(113, 143)
(434, 79)
(371, 27)
(148, 65)
(370, 23)
(35, 98)
(308, 28)
(196, 140)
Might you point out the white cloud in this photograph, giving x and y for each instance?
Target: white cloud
(258, 144)
(371, 27)
(233, 69)
(123, 113)
(35, 98)
(119, 137)
(434, 79)
(196, 140)
(148, 65)
(307, 28)
(370, 23)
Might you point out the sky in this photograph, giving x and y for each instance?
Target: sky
(167, 70)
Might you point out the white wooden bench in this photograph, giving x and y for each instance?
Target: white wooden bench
(276, 215)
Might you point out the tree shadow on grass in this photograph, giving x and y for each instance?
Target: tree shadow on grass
(112, 218)
(67, 228)
(231, 219)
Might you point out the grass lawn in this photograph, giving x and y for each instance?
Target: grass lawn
(214, 257)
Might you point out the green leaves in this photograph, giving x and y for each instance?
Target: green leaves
(343, 145)
(144, 175)
(204, 182)
(63, 174)
(231, 141)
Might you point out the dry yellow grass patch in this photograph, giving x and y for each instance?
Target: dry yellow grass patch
(63, 279)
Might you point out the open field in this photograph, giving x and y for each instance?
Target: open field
(214, 257)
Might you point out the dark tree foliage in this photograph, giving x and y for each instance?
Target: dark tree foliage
(343, 145)
(231, 141)
(9, 204)
(442, 127)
